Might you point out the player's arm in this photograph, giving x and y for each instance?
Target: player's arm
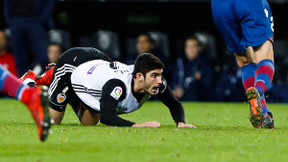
(113, 91)
(56, 111)
(176, 109)
(109, 101)
(57, 116)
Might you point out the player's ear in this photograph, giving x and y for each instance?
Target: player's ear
(140, 77)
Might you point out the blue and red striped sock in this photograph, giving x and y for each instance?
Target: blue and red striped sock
(248, 75)
(248, 80)
(264, 75)
(9, 83)
(264, 105)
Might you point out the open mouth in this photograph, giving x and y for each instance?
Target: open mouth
(155, 89)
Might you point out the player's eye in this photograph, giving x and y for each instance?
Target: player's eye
(154, 75)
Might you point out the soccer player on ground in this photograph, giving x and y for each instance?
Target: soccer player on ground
(247, 28)
(35, 98)
(99, 89)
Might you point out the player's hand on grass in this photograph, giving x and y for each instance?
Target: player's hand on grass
(183, 125)
(153, 124)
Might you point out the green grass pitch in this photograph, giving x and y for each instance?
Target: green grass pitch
(223, 134)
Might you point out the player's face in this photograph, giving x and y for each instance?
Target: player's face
(153, 81)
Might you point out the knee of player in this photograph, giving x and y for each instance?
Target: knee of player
(242, 61)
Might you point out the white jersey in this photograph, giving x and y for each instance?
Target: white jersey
(89, 78)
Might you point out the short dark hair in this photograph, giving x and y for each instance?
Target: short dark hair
(150, 39)
(146, 62)
(193, 37)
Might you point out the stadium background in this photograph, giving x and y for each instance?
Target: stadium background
(77, 22)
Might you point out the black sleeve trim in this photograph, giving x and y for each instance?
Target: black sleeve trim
(56, 107)
(108, 104)
(174, 105)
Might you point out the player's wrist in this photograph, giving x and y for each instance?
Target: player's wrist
(184, 125)
(153, 124)
(135, 125)
(180, 123)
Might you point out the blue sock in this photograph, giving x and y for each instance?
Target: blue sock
(264, 108)
(3, 75)
(260, 90)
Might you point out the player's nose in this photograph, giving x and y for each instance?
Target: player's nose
(159, 80)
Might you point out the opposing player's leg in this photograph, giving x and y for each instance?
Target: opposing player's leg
(245, 61)
(258, 65)
(248, 80)
(264, 56)
(35, 98)
(259, 112)
(257, 33)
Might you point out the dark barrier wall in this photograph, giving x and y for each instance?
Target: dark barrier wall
(131, 17)
(128, 18)
(177, 18)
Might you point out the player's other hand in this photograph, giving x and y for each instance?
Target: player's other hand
(183, 125)
(152, 124)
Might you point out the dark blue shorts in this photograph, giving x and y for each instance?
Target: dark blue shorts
(243, 23)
